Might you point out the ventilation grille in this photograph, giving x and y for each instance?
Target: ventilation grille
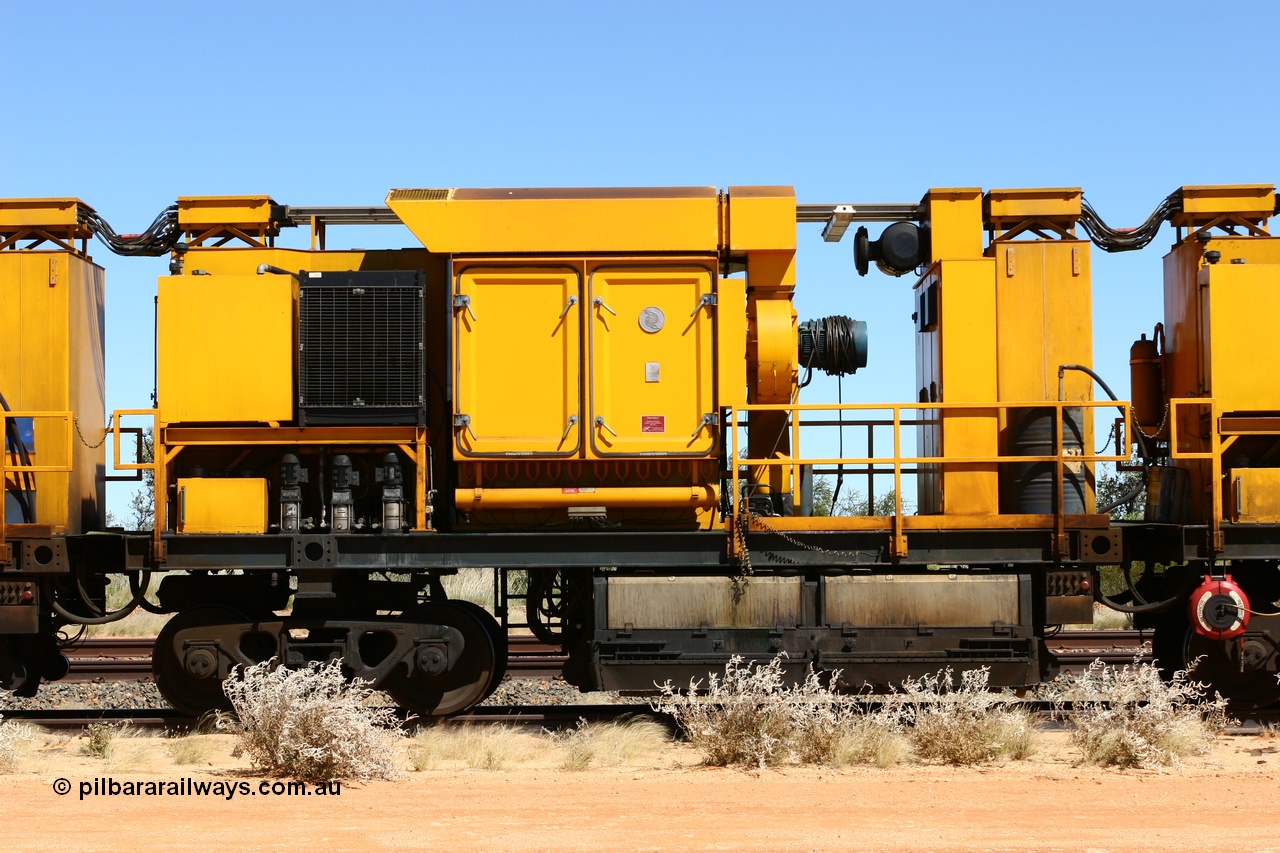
(360, 350)
(418, 195)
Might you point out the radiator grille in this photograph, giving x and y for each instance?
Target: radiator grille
(360, 337)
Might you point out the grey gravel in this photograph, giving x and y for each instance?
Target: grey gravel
(143, 695)
(126, 695)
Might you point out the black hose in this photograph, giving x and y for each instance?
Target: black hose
(26, 487)
(114, 616)
(1142, 442)
(141, 594)
(1128, 579)
(1150, 607)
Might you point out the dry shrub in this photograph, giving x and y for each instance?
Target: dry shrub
(100, 739)
(478, 747)
(13, 737)
(311, 723)
(1130, 717)
(609, 744)
(964, 723)
(750, 716)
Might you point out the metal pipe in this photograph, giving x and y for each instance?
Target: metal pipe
(542, 498)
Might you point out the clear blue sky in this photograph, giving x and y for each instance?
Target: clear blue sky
(128, 106)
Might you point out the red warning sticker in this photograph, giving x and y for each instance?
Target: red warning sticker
(653, 423)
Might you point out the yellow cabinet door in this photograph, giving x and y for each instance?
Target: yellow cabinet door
(517, 335)
(226, 348)
(652, 361)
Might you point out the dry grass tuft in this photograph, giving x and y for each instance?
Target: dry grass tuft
(477, 747)
(964, 723)
(1129, 717)
(187, 749)
(311, 724)
(609, 744)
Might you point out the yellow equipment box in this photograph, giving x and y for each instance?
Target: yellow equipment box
(226, 348)
(207, 505)
(1256, 492)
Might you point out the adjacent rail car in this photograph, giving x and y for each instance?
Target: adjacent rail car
(594, 394)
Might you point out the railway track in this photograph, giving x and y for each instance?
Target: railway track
(129, 659)
(549, 716)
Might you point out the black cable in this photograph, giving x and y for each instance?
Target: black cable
(1127, 239)
(159, 238)
(830, 344)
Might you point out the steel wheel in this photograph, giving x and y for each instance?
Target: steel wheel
(1220, 666)
(183, 691)
(497, 634)
(459, 688)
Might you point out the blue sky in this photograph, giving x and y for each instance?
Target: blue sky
(130, 106)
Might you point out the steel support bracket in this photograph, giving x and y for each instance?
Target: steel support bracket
(1061, 546)
(898, 546)
(1216, 542)
(159, 551)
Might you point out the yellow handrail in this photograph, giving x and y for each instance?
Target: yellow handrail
(6, 468)
(897, 460)
(155, 466)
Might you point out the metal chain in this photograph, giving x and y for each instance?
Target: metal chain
(1107, 443)
(105, 432)
(748, 518)
(741, 579)
(1164, 420)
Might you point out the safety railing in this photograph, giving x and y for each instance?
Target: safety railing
(1217, 444)
(897, 464)
(21, 470)
(155, 465)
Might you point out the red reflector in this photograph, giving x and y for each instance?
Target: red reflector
(28, 595)
(1085, 586)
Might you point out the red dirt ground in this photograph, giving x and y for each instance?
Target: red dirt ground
(1226, 801)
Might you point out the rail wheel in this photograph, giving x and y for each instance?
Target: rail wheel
(1235, 668)
(497, 634)
(454, 690)
(188, 692)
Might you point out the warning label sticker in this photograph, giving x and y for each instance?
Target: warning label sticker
(653, 423)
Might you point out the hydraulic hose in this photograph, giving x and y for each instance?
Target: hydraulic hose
(139, 592)
(23, 495)
(1142, 443)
